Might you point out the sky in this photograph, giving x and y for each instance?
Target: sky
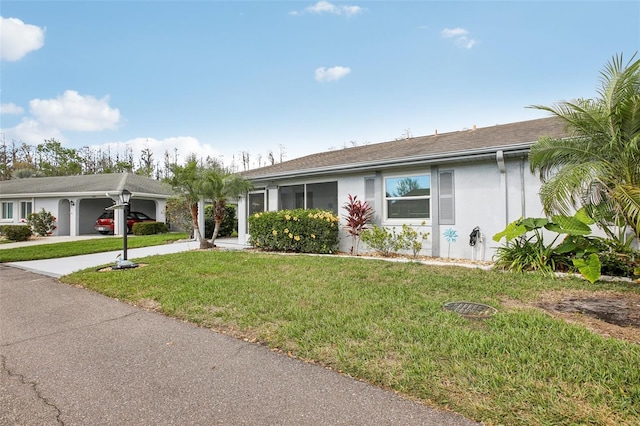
(218, 78)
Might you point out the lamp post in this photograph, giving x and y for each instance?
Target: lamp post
(125, 197)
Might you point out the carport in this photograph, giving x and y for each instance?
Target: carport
(77, 201)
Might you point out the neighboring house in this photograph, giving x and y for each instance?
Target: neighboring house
(77, 201)
(438, 184)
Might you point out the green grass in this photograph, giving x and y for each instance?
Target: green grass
(383, 322)
(74, 248)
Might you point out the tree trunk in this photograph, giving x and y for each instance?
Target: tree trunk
(204, 244)
(219, 212)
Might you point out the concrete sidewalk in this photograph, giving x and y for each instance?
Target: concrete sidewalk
(59, 267)
(71, 356)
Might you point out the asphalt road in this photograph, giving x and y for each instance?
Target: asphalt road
(69, 356)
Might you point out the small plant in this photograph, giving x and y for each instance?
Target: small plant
(379, 239)
(410, 239)
(42, 223)
(386, 242)
(358, 217)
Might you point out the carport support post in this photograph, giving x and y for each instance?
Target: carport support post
(125, 197)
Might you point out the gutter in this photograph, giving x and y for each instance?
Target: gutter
(93, 194)
(457, 156)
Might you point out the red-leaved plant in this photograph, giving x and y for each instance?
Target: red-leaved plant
(358, 217)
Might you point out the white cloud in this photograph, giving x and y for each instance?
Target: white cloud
(326, 7)
(459, 35)
(11, 108)
(331, 74)
(31, 132)
(17, 39)
(72, 111)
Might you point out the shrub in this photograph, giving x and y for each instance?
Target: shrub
(410, 239)
(386, 242)
(358, 216)
(17, 232)
(228, 226)
(304, 231)
(617, 259)
(525, 249)
(179, 214)
(42, 223)
(149, 228)
(379, 239)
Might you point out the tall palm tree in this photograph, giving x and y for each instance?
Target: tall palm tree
(219, 186)
(598, 165)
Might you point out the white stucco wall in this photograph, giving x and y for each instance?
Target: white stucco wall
(486, 196)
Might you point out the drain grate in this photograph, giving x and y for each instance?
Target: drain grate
(470, 309)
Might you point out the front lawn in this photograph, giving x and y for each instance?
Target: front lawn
(75, 248)
(383, 322)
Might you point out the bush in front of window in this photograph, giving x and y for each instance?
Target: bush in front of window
(149, 228)
(300, 231)
(42, 223)
(386, 241)
(16, 232)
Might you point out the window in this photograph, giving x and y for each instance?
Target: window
(7, 210)
(408, 197)
(310, 196)
(256, 202)
(446, 214)
(26, 208)
(291, 197)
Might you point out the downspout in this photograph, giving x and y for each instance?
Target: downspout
(523, 204)
(503, 184)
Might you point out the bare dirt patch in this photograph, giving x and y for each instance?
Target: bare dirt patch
(609, 314)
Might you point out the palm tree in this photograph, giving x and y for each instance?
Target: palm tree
(219, 186)
(598, 165)
(186, 180)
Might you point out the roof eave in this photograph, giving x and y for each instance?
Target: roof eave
(449, 157)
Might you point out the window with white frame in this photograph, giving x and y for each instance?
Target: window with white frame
(26, 208)
(7, 210)
(408, 197)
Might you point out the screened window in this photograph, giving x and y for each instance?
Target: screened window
(256, 203)
(26, 208)
(310, 196)
(291, 197)
(7, 210)
(408, 197)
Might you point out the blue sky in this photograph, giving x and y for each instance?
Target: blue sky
(218, 78)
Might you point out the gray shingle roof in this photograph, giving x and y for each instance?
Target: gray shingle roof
(432, 148)
(84, 184)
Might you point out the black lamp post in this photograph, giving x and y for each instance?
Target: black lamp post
(125, 197)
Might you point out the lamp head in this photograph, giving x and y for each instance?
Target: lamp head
(125, 196)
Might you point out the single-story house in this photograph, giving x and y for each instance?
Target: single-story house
(77, 201)
(444, 184)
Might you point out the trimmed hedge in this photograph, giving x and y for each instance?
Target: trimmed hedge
(17, 232)
(303, 231)
(149, 228)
